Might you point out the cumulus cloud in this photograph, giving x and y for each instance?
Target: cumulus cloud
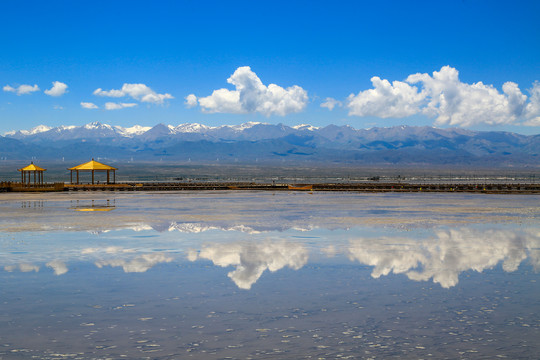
(88, 105)
(252, 96)
(450, 253)
(191, 101)
(139, 92)
(330, 103)
(455, 103)
(58, 89)
(444, 97)
(117, 106)
(532, 110)
(22, 89)
(252, 259)
(385, 100)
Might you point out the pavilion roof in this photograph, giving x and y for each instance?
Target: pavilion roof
(32, 167)
(93, 165)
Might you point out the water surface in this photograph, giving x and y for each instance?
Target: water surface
(241, 275)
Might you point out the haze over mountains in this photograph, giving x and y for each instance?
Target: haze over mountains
(266, 143)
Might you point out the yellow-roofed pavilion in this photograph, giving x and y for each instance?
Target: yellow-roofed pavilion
(93, 166)
(29, 170)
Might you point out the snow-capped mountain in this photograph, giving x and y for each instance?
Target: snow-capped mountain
(254, 142)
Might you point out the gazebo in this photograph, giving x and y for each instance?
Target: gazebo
(28, 170)
(93, 166)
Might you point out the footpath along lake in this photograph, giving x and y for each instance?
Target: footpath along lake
(269, 275)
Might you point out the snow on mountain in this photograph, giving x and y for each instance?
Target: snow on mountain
(132, 131)
(64, 127)
(305, 127)
(97, 125)
(277, 142)
(191, 128)
(38, 129)
(257, 129)
(244, 126)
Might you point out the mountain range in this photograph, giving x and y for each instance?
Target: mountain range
(267, 143)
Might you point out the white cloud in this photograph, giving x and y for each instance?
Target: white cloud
(455, 103)
(89, 105)
(532, 110)
(22, 89)
(58, 89)
(252, 259)
(331, 103)
(117, 106)
(252, 96)
(444, 97)
(533, 122)
(139, 92)
(110, 93)
(397, 99)
(191, 101)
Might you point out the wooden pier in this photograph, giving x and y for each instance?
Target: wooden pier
(7, 186)
(369, 187)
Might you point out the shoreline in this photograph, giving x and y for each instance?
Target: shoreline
(369, 187)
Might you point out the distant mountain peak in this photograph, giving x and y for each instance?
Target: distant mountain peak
(39, 129)
(93, 125)
(134, 130)
(253, 141)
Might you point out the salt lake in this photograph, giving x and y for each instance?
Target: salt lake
(269, 275)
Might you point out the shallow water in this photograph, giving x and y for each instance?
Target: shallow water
(269, 275)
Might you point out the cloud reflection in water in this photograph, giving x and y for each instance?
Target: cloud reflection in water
(251, 259)
(444, 257)
(139, 264)
(23, 267)
(58, 266)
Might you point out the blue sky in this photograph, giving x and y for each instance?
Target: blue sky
(469, 64)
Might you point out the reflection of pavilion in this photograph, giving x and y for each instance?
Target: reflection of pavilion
(94, 206)
(93, 166)
(29, 170)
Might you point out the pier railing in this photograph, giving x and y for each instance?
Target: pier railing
(9, 186)
(499, 188)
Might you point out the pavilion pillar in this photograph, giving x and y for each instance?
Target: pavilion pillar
(107, 177)
(77, 176)
(92, 177)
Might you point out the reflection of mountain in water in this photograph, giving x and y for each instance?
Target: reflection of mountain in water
(251, 259)
(195, 227)
(448, 254)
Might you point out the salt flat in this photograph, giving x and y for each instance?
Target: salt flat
(269, 275)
